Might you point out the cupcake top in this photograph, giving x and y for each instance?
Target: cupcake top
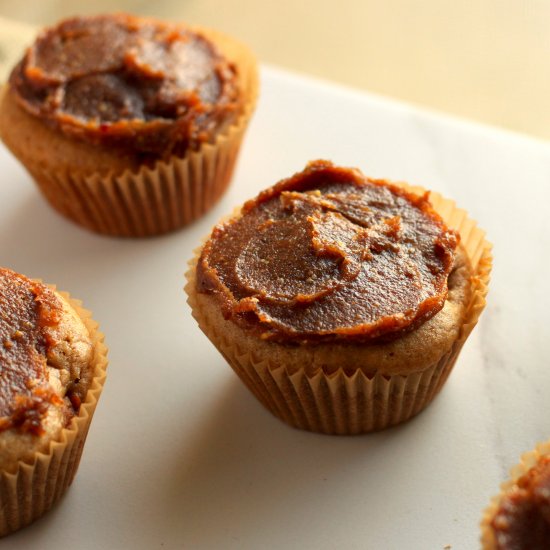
(143, 86)
(45, 355)
(330, 255)
(522, 519)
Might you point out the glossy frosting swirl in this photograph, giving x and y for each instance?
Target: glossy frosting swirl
(27, 308)
(146, 87)
(330, 255)
(523, 517)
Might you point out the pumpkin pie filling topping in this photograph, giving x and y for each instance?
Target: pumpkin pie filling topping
(27, 308)
(146, 87)
(329, 254)
(523, 517)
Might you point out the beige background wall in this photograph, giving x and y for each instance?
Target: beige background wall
(487, 60)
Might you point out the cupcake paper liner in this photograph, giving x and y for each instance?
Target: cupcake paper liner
(527, 461)
(343, 403)
(159, 199)
(30, 490)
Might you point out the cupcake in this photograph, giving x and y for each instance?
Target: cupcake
(340, 301)
(129, 126)
(519, 517)
(52, 369)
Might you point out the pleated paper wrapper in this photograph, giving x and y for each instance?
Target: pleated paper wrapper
(30, 490)
(343, 403)
(527, 461)
(159, 199)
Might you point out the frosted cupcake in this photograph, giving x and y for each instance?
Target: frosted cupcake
(519, 517)
(52, 367)
(130, 126)
(341, 302)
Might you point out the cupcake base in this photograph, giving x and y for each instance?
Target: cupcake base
(34, 487)
(150, 202)
(336, 403)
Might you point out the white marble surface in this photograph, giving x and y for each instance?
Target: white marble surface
(181, 456)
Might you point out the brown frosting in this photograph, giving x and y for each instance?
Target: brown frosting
(146, 87)
(330, 255)
(27, 308)
(523, 517)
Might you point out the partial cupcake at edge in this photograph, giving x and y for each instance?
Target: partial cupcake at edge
(130, 126)
(342, 302)
(518, 517)
(52, 370)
